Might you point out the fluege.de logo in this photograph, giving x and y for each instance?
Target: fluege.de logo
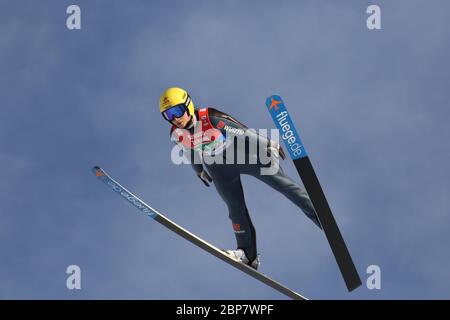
(284, 123)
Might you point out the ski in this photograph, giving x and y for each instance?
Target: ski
(221, 254)
(297, 151)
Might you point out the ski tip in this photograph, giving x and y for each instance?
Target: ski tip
(273, 102)
(98, 171)
(274, 96)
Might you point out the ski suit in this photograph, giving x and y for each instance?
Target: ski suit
(215, 133)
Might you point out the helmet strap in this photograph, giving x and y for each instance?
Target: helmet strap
(191, 123)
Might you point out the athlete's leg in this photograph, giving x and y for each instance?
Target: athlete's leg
(289, 188)
(229, 187)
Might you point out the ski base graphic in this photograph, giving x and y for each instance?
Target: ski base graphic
(221, 254)
(297, 151)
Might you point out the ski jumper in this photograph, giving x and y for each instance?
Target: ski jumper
(209, 135)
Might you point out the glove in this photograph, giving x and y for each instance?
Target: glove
(276, 150)
(204, 176)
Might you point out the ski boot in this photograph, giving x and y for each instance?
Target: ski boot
(239, 255)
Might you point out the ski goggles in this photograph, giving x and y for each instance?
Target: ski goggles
(176, 111)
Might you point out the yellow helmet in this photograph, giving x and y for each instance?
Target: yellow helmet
(173, 97)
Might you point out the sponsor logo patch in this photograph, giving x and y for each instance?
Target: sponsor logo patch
(237, 228)
(221, 124)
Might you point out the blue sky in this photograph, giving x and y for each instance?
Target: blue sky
(371, 107)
